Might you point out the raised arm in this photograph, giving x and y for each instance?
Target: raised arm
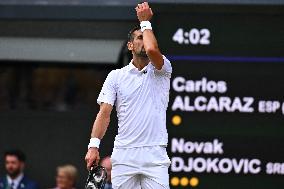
(99, 128)
(144, 14)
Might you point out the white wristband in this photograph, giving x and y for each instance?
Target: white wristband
(94, 143)
(145, 25)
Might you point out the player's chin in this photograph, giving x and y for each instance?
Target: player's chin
(143, 54)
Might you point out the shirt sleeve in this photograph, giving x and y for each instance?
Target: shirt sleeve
(108, 92)
(166, 70)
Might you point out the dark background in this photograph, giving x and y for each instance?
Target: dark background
(50, 122)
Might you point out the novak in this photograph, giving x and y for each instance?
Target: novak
(180, 146)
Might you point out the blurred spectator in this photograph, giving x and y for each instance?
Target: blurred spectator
(66, 177)
(106, 163)
(14, 166)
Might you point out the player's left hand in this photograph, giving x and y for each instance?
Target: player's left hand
(144, 12)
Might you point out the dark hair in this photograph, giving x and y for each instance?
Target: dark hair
(18, 153)
(130, 33)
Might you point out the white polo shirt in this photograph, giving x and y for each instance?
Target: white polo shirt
(141, 100)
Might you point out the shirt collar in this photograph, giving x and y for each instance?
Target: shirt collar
(132, 68)
(16, 181)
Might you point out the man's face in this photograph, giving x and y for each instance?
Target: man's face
(13, 166)
(137, 46)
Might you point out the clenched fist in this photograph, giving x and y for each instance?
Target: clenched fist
(144, 12)
(92, 157)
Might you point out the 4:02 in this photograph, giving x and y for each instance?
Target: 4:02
(194, 36)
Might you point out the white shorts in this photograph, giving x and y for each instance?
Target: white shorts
(141, 167)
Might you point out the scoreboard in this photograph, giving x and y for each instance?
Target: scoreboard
(226, 111)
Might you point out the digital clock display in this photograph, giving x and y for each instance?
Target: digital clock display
(194, 36)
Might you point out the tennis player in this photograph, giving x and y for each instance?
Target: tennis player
(140, 92)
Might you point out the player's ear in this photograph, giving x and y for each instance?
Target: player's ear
(130, 45)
